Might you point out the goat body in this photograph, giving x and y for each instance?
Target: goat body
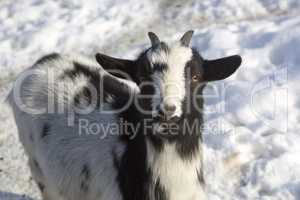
(85, 141)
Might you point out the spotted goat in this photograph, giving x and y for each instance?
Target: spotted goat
(116, 129)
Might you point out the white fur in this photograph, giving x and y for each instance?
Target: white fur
(177, 176)
(62, 153)
(171, 83)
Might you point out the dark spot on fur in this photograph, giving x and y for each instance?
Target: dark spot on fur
(80, 69)
(36, 164)
(31, 137)
(84, 186)
(187, 147)
(47, 58)
(164, 47)
(41, 186)
(85, 94)
(115, 160)
(200, 177)
(1, 158)
(45, 130)
(93, 76)
(159, 67)
(85, 178)
(157, 142)
(159, 191)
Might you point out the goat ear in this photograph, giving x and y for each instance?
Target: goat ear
(116, 64)
(154, 39)
(186, 38)
(221, 68)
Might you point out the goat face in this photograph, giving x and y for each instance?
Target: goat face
(171, 77)
(166, 74)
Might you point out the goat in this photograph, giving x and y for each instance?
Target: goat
(155, 154)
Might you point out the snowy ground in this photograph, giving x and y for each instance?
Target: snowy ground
(259, 110)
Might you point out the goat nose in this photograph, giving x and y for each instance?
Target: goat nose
(169, 109)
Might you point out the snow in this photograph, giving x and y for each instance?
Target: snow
(256, 112)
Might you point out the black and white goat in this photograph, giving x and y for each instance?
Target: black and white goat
(158, 156)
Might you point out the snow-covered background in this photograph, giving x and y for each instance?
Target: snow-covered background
(258, 114)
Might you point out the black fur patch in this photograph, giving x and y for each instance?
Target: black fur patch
(85, 178)
(164, 47)
(200, 177)
(134, 177)
(94, 78)
(133, 174)
(159, 192)
(83, 93)
(78, 69)
(187, 147)
(36, 164)
(157, 142)
(41, 186)
(189, 139)
(47, 58)
(115, 160)
(31, 137)
(46, 130)
(160, 67)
